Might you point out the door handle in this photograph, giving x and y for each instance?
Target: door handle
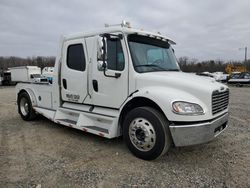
(64, 83)
(95, 85)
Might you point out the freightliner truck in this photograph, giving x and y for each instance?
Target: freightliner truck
(121, 81)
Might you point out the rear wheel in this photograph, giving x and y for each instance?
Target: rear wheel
(25, 108)
(146, 133)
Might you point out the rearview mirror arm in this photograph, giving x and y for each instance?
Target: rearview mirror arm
(104, 65)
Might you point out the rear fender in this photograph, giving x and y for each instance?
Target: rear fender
(31, 95)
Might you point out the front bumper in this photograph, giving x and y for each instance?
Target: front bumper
(191, 134)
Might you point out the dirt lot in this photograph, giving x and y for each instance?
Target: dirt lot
(41, 153)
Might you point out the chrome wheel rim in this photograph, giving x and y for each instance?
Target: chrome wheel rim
(24, 106)
(142, 134)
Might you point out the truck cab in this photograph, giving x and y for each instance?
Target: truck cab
(123, 81)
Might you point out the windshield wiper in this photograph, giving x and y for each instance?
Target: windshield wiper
(147, 65)
(150, 65)
(172, 69)
(153, 65)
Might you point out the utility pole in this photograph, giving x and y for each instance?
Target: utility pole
(245, 62)
(246, 54)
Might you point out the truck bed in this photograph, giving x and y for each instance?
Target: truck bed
(41, 93)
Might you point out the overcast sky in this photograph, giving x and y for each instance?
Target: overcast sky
(211, 29)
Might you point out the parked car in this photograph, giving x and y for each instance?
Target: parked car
(218, 76)
(240, 79)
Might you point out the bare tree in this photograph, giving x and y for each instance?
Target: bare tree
(7, 62)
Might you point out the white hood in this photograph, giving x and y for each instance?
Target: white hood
(198, 86)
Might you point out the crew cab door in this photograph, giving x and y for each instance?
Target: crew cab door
(74, 71)
(110, 91)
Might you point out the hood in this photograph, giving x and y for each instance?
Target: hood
(193, 84)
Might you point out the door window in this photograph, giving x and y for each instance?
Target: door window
(76, 58)
(115, 56)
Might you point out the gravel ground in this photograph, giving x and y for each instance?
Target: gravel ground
(44, 154)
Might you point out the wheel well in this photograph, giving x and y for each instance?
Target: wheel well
(21, 91)
(30, 94)
(137, 102)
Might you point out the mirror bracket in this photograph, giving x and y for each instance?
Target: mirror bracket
(109, 36)
(104, 65)
(117, 75)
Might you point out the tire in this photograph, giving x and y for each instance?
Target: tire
(25, 108)
(146, 133)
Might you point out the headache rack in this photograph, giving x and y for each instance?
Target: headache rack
(220, 101)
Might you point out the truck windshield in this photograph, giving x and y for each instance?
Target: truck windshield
(151, 55)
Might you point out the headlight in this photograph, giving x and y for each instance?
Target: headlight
(186, 108)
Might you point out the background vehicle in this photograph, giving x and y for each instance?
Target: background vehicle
(38, 78)
(25, 73)
(123, 81)
(218, 76)
(1, 79)
(240, 79)
(5, 77)
(235, 68)
(207, 74)
(48, 72)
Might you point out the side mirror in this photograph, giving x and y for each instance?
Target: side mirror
(102, 53)
(101, 49)
(101, 66)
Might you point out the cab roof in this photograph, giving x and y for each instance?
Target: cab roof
(122, 29)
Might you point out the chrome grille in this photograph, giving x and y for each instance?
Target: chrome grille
(220, 101)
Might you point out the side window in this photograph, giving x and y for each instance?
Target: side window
(115, 56)
(75, 57)
(247, 76)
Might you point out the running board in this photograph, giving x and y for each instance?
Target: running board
(98, 129)
(72, 123)
(102, 125)
(66, 122)
(48, 113)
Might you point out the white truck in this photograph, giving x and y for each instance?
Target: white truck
(123, 81)
(25, 74)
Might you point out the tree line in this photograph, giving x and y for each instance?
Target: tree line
(40, 61)
(186, 64)
(193, 65)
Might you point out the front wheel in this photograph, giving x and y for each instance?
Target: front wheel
(25, 108)
(146, 133)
